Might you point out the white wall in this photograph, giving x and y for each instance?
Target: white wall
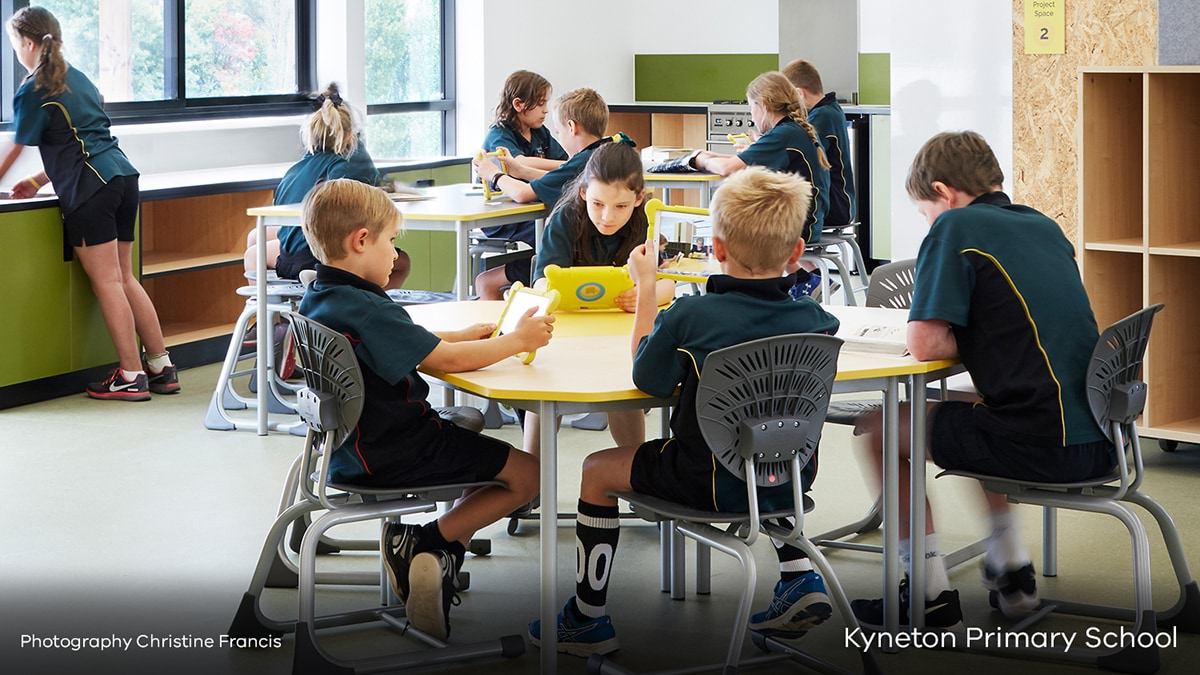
(824, 32)
(574, 49)
(951, 70)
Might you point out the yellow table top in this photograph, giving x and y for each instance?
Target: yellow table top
(450, 202)
(589, 360)
(699, 177)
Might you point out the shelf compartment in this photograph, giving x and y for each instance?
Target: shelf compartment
(1131, 245)
(1173, 130)
(179, 234)
(1188, 248)
(1111, 157)
(1114, 284)
(197, 304)
(1186, 431)
(1172, 366)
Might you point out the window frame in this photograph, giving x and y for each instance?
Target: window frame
(177, 106)
(447, 104)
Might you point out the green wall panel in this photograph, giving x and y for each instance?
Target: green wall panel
(416, 244)
(36, 340)
(697, 77)
(875, 79)
(441, 256)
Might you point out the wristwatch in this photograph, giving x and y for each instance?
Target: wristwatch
(494, 183)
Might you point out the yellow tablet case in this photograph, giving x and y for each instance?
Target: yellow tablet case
(500, 154)
(520, 299)
(588, 287)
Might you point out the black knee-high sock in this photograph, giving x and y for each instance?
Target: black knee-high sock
(597, 529)
(433, 540)
(792, 561)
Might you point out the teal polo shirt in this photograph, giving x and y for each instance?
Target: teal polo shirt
(550, 185)
(731, 312)
(1004, 277)
(397, 426)
(558, 244)
(71, 131)
(828, 118)
(777, 150)
(312, 169)
(540, 143)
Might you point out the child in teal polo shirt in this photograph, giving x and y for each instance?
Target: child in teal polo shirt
(400, 441)
(580, 120)
(827, 117)
(758, 216)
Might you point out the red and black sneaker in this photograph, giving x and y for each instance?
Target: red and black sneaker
(165, 381)
(116, 387)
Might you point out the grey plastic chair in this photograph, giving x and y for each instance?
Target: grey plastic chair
(1116, 397)
(330, 405)
(761, 406)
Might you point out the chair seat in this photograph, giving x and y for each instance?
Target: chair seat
(403, 296)
(437, 493)
(286, 289)
(1000, 480)
(654, 509)
(849, 412)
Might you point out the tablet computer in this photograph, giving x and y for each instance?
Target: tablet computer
(520, 300)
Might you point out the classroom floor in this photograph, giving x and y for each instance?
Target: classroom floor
(131, 519)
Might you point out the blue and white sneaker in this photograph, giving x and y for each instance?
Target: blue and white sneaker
(805, 288)
(579, 635)
(798, 606)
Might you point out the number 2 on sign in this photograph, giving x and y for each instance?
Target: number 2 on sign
(1045, 34)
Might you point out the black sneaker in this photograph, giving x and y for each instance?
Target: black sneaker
(1013, 592)
(941, 613)
(433, 582)
(165, 381)
(117, 388)
(398, 544)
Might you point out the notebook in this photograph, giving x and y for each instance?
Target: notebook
(677, 165)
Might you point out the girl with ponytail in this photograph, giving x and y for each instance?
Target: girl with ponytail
(59, 110)
(333, 148)
(788, 143)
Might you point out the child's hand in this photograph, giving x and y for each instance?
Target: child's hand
(643, 265)
(486, 168)
(627, 300)
(23, 190)
(477, 331)
(533, 332)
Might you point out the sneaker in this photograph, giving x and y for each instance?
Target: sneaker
(1013, 592)
(579, 635)
(398, 544)
(805, 288)
(527, 509)
(941, 613)
(798, 605)
(116, 387)
(433, 582)
(165, 381)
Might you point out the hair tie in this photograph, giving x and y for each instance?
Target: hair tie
(335, 98)
(621, 137)
(47, 36)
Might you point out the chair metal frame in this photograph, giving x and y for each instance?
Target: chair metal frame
(1116, 397)
(330, 404)
(761, 406)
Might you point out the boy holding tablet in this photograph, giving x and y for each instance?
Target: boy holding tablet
(401, 441)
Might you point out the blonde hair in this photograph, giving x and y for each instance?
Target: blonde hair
(804, 75)
(960, 159)
(776, 94)
(39, 25)
(585, 107)
(760, 215)
(333, 127)
(528, 86)
(335, 208)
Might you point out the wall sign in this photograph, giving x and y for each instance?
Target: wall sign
(1045, 24)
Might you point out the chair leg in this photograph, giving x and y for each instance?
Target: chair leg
(664, 556)
(216, 418)
(737, 548)
(678, 563)
(1049, 541)
(703, 569)
(1186, 612)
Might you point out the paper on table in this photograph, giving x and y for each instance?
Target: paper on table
(875, 339)
(409, 196)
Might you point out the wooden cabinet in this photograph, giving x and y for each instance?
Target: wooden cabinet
(1139, 235)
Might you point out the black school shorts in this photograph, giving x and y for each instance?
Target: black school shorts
(111, 213)
(459, 456)
(957, 442)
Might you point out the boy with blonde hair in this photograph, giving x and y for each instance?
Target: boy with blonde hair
(758, 216)
(400, 441)
(580, 119)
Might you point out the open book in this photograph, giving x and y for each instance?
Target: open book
(874, 339)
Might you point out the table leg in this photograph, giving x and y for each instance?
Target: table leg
(917, 409)
(263, 331)
(705, 195)
(539, 226)
(891, 508)
(462, 257)
(549, 525)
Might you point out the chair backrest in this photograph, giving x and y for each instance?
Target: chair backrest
(1114, 391)
(764, 402)
(332, 398)
(892, 285)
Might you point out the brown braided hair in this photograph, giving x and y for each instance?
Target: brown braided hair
(39, 25)
(775, 93)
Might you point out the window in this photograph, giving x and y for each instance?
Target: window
(409, 72)
(154, 58)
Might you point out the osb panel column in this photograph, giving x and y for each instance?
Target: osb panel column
(1046, 96)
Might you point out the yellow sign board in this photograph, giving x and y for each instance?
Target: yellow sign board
(1045, 24)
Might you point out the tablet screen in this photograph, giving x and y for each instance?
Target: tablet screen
(518, 304)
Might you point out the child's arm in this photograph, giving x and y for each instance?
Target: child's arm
(518, 190)
(722, 165)
(541, 163)
(930, 340)
(643, 269)
(26, 189)
(9, 155)
(664, 292)
(532, 332)
(476, 331)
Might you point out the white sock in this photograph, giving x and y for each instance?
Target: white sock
(130, 375)
(936, 579)
(1005, 550)
(156, 362)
